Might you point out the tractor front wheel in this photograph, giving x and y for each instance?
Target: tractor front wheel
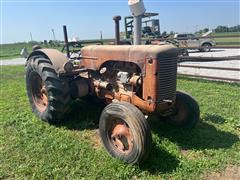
(186, 111)
(125, 132)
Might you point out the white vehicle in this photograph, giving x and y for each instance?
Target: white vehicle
(190, 41)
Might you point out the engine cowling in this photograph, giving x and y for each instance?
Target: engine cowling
(154, 66)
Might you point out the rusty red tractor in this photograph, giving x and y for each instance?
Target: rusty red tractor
(133, 81)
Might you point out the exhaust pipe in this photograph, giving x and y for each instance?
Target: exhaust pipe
(66, 40)
(117, 29)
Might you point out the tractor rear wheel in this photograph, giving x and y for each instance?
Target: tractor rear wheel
(125, 132)
(186, 111)
(48, 94)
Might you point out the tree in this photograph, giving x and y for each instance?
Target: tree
(205, 30)
(221, 29)
(164, 33)
(234, 29)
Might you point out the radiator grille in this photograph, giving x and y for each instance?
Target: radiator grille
(167, 75)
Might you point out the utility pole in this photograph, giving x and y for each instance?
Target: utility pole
(31, 36)
(101, 35)
(54, 38)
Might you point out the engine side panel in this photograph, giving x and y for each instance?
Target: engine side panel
(121, 66)
(94, 56)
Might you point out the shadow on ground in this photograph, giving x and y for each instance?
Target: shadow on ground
(214, 118)
(85, 115)
(204, 136)
(160, 161)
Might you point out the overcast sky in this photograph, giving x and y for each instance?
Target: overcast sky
(85, 19)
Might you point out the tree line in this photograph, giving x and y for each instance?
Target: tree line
(218, 29)
(227, 29)
(221, 29)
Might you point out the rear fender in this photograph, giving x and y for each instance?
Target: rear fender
(57, 58)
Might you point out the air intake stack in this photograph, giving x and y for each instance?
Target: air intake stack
(137, 9)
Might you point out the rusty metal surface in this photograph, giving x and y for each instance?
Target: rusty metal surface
(39, 92)
(121, 136)
(57, 58)
(157, 67)
(125, 53)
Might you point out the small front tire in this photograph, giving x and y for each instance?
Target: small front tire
(186, 111)
(125, 132)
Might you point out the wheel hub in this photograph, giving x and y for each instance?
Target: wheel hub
(121, 137)
(39, 93)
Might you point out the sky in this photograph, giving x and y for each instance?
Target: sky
(86, 18)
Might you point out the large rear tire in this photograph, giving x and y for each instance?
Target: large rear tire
(186, 111)
(48, 94)
(125, 132)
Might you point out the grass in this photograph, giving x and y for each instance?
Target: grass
(227, 40)
(226, 34)
(10, 51)
(32, 149)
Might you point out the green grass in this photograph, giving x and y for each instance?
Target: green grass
(227, 40)
(10, 51)
(226, 34)
(32, 149)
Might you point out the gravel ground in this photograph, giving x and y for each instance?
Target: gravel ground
(13, 62)
(210, 72)
(216, 53)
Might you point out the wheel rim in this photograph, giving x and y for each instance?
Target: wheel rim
(121, 137)
(180, 113)
(39, 92)
(206, 48)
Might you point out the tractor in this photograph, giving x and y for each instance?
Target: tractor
(134, 81)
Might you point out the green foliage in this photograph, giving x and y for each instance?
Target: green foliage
(31, 149)
(221, 29)
(227, 29)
